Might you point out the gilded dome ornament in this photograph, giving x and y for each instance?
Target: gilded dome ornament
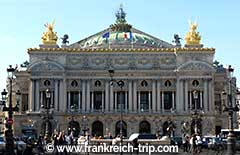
(192, 37)
(49, 37)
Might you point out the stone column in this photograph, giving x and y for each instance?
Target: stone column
(106, 96)
(92, 101)
(103, 101)
(126, 102)
(130, 96)
(135, 96)
(69, 101)
(115, 101)
(79, 101)
(173, 103)
(149, 101)
(211, 96)
(178, 96)
(181, 96)
(205, 96)
(63, 96)
(31, 95)
(37, 96)
(154, 96)
(201, 101)
(56, 95)
(111, 99)
(158, 97)
(162, 103)
(41, 98)
(88, 99)
(83, 96)
(139, 101)
(186, 96)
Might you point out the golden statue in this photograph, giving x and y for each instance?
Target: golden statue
(49, 37)
(192, 37)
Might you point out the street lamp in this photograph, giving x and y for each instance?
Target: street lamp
(120, 83)
(47, 116)
(195, 112)
(10, 109)
(230, 108)
(85, 125)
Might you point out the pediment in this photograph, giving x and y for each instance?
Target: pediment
(196, 66)
(46, 66)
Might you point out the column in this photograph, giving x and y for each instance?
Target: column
(173, 103)
(153, 96)
(84, 96)
(201, 101)
(130, 96)
(135, 96)
(126, 101)
(106, 96)
(92, 101)
(41, 98)
(88, 99)
(56, 95)
(115, 101)
(103, 101)
(178, 96)
(139, 101)
(158, 97)
(162, 102)
(211, 96)
(31, 96)
(79, 101)
(69, 101)
(205, 96)
(37, 96)
(190, 100)
(111, 99)
(186, 96)
(63, 95)
(149, 101)
(181, 96)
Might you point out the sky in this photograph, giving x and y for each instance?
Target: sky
(22, 24)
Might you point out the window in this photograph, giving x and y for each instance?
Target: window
(144, 101)
(167, 100)
(167, 83)
(74, 83)
(195, 83)
(24, 102)
(97, 100)
(120, 100)
(47, 83)
(196, 100)
(144, 83)
(98, 83)
(74, 98)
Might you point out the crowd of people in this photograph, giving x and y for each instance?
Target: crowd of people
(192, 144)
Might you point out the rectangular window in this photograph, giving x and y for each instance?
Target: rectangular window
(144, 101)
(120, 100)
(97, 100)
(196, 105)
(167, 100)
(24, 102)
(74, 98)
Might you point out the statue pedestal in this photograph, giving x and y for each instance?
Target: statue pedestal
(48, 46)
(193, 46)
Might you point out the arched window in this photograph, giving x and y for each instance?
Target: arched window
(195, 83)
(97, 128)
(118, 128)
(74, 83)
(98, 83)
(73, 127)
(167, 83)
(144, 127)
(47, 83)
(144, 83)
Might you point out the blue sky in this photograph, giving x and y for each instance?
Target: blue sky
(22, 24)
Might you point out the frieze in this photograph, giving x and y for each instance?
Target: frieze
(201, 66)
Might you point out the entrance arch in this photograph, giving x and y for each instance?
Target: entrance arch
(144, 127)
(118, 128)
(97, 128)
(73, 126)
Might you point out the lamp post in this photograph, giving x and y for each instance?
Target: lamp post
(120, 84)
(230, 108)
(195, 112)
(85, 125)
(10, 109)
(47, 116)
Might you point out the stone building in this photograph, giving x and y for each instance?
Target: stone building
(164, 85)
